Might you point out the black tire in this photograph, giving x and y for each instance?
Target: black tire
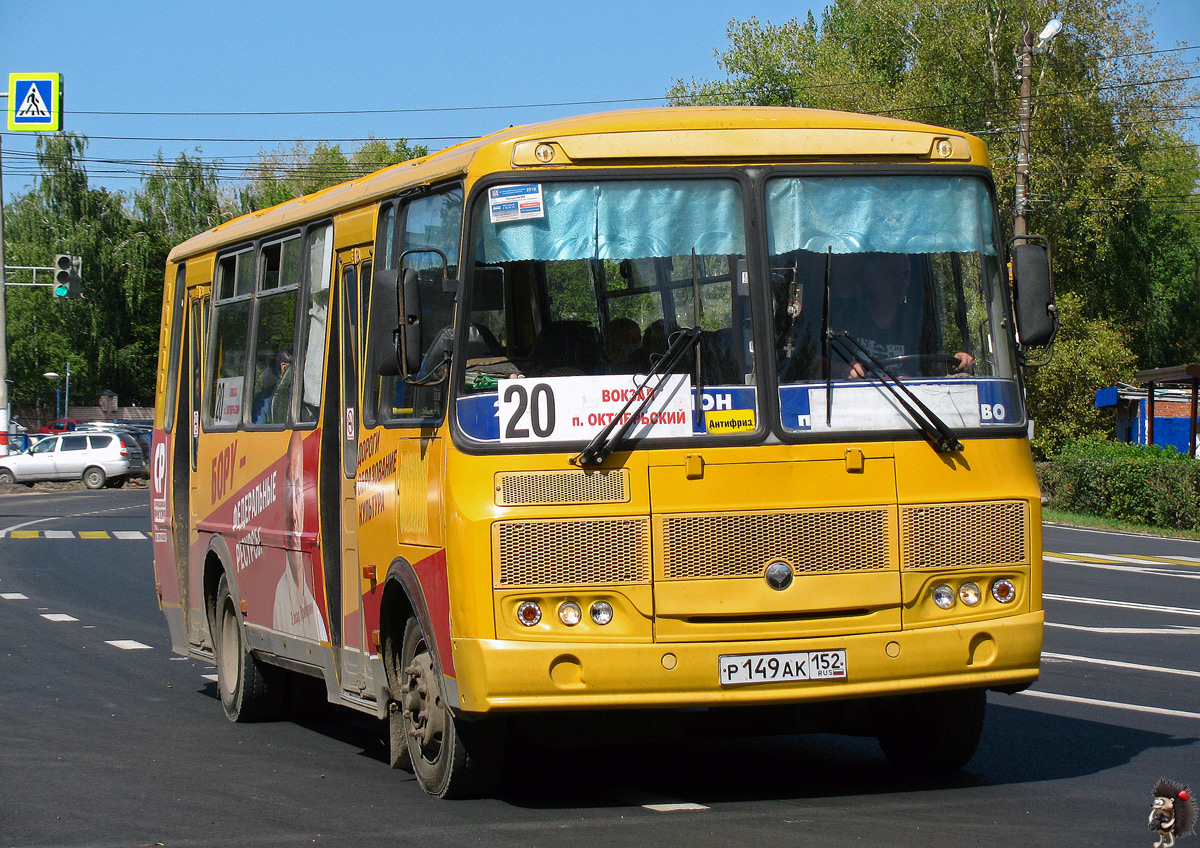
(7, 478)
(934, 732)
(94, 477)
(451, 757)
(115, 483)
(250, 690)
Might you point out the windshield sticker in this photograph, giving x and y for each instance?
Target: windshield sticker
(719, 422)
(573, 409)
(859, 406)
(516, 203)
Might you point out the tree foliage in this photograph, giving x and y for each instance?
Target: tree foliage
(1114, 179)
(1089, 354)
(110, 337)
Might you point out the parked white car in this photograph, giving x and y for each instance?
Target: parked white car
(98, 459)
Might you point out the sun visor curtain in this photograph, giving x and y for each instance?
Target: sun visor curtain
(622, 220)
(880, 214)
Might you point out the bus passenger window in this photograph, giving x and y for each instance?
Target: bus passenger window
(231, 323)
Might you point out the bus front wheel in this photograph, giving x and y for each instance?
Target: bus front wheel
(250, 690)
(934, 731)
(450, 756)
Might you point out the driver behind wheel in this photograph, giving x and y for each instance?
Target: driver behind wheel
(888, 323)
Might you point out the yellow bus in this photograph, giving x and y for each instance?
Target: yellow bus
(670, 410)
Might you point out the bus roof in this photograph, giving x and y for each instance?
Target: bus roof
(695, 134)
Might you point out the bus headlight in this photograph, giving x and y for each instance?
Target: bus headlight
(529, 613)
(602, 612)
(1004, 591)
(968, 593)
(943, 596)
(569, 613)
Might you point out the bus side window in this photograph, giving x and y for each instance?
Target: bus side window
(274, 337)
(227, 353)
(318, 267)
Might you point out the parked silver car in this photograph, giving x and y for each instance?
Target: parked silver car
(98, 459)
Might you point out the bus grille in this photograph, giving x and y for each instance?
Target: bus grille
(964, 535)
(572, 553)
(742, 545)
(562, 487)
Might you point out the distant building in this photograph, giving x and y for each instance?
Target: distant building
(1162, 413)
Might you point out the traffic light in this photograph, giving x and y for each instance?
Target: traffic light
(67, 281)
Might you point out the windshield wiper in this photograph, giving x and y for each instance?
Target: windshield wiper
(934, 429)
(608, 439)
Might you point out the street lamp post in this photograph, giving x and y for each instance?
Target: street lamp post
(1024, 113)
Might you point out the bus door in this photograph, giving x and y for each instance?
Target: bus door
(354, 267)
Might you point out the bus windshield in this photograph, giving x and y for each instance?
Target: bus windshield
(887, 276)
(884, 294)
(580, 286)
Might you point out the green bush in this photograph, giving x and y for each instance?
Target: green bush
(1147, 485)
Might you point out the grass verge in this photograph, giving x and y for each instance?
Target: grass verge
(1054, 516)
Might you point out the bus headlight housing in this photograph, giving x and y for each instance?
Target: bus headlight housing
(969, 594)
(602, 612)
(569, 613)
(1004, 591)
(529, 613)
(943, 596)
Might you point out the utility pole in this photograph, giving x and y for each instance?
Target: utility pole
(3, 322)
(1024, 108)
(1024, 115)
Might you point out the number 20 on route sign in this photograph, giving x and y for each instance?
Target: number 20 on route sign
(35, 102)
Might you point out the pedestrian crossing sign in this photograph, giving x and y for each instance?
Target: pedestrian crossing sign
(35, 102)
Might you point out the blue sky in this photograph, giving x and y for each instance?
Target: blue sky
(247, 56)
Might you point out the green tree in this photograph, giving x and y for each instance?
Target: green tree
(1089, 354)
(110, 336)
(179, 199)
(1111, 167)
(282, 175)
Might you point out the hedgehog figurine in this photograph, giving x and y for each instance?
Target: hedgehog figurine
(1173, 813)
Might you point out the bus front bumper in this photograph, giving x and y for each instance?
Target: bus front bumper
(507, 675)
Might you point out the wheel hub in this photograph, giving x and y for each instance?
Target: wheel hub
(422, 704)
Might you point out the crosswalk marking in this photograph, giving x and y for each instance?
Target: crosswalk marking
(123, 535)
(14, 596)
(58, 616)
(128, 645)
(1100, 602)
(1158, 669)
(1137, 708)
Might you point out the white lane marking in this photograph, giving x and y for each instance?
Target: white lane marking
(211, 677)
(1137, 708)
(6, 530)
(14, 596)
(128, 645)
(1131, 569)
(58, 534)
(673, 808)
(1158, 669)
(1139, 536)
(1177, 630)
(129, 534)
(1144, 559)
(1100, 602)
(58, 616)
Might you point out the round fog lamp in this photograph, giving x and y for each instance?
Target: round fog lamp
(569, 613)
(529, 613)
(943, 596)
(1004, 591)
(968, 593)
(602, 612)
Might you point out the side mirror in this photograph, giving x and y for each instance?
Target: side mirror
(408, 332)
(383, 354)
(1033, 292)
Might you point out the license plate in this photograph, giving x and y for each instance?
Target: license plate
(782, 668)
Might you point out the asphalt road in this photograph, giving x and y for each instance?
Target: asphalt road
(108, 739)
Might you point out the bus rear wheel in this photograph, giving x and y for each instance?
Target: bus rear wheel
(250, 690)
(451, 757)
(933, 732)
